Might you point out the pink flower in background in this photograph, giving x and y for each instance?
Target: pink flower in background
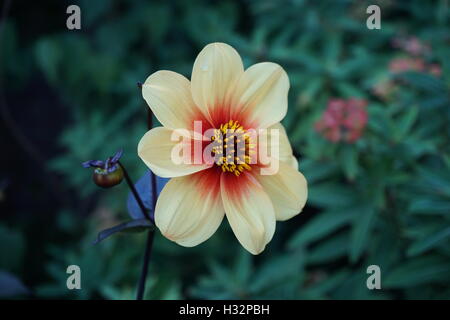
(411, 45)
(416, 51)
(435, 69)
(398, 65)
(343, 120)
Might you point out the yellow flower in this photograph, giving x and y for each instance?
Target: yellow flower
(231, 102)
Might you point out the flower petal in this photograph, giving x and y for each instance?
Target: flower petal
(215, 71)
(287, 190)
(249, 211)
(168, 94)
(293, 162)
(189, 209)
(261, 93)
(275, 143)
(155, 149)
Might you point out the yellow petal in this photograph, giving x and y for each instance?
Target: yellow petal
(249, 211)
(155, 149)
(262, 93)
(287, 190)
(215, 71)
(189, 209)
(168, 94)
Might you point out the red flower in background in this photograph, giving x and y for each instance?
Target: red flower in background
(343, 120)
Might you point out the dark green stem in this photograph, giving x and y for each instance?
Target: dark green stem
(134, 192)
(151, 233)
(144, 271)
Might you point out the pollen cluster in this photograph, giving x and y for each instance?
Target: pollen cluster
(232, 148)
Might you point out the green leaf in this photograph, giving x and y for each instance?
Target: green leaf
(224, 277)
(429, 242)
(432, 102)
(348, 91)
(331, 282)
(130, 226)
(317, 170)
(330, 194)
(330, 249)
(269, 274)
(321, 225)
(309, 93)
(362, 225)
(349, 161)
(423, 81)
(426, 205)
(438, 180)
(405, 123)
(48, 55)
(418, 271)
(243, 267)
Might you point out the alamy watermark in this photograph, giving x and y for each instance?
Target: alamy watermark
(74, 20)
(374, 20)
(74, 280)
(374, 280)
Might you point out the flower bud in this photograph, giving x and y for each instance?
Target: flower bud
(108, 178)
(107, 173)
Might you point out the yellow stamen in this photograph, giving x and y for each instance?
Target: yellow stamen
(229, 163)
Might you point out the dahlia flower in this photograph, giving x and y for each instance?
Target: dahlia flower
(229, 116)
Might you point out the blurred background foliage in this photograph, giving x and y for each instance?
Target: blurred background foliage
(384, 198)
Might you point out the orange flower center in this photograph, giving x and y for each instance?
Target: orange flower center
(232, 148)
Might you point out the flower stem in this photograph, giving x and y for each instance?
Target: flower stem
(134, 192)
(151, 233)
(144, 271)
